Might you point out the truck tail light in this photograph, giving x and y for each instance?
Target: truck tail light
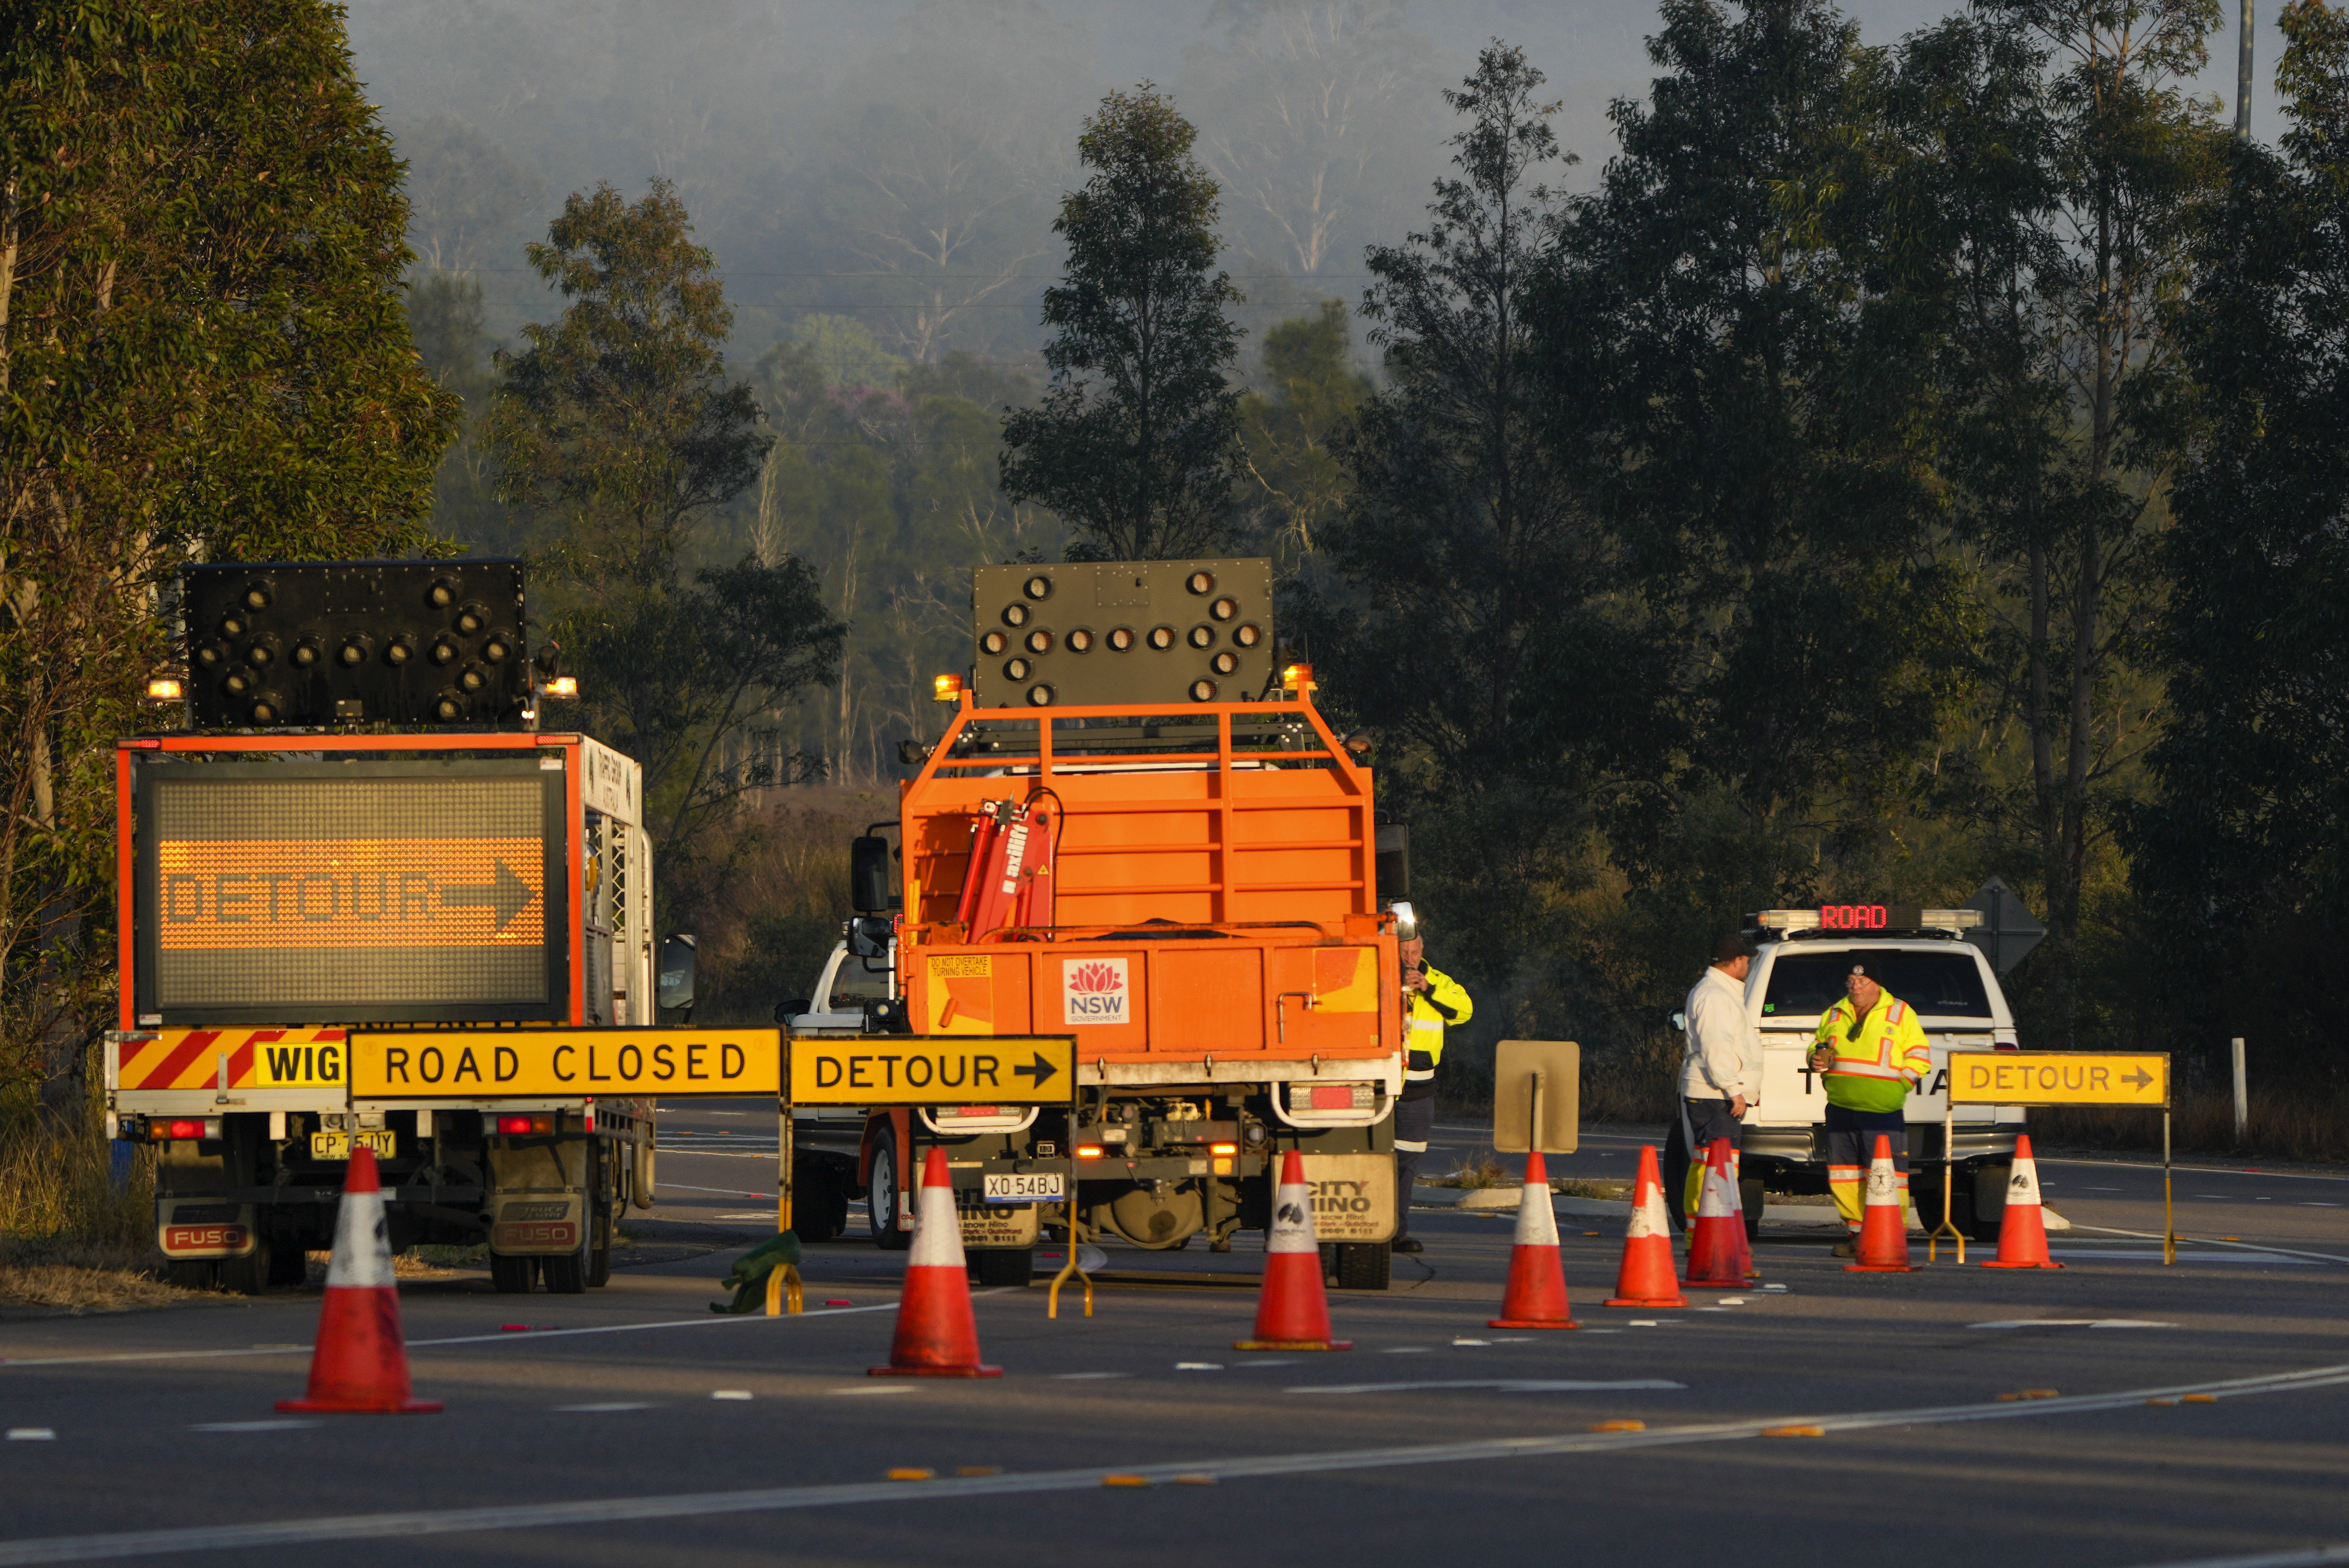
(1332, 1096)
(542, 1121)
(1089, 1150)
(1223, 1149)
(161, 1132)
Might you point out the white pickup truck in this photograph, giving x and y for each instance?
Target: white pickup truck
(1921, 957)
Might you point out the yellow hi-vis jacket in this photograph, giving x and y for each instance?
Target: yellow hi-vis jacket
(1880, 1061)
(1424, 1014)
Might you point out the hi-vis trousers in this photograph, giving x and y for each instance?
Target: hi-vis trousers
(1851, 1144)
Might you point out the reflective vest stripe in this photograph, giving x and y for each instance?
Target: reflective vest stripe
(1859, 1066)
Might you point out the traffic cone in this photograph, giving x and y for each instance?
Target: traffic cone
(1293, 1314)
(360, 1361)
(1884, 1229)
(2022, 1230)
(1648, 1277)
(937, 1335)
(1718, 1256)
(1536, 1297)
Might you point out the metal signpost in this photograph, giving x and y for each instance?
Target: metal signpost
(875, 1070)
(2061, 1077)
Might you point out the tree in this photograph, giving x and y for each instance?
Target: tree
(444, 318)
(1751, 400)
(1477, 578)
(1136, 444)
(203, 356)
(617, 422)
(464, 192)
(1295, 484)
(2244, 847)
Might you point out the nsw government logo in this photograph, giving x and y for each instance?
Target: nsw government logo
(1094, 991)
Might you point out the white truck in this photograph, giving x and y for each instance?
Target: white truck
(1921, 956)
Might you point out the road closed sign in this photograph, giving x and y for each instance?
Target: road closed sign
(950, 1070)
(2059, 1078)
(560, 1064)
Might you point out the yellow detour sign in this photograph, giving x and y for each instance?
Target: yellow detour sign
(559, 1064)
(937, 1069)
(2059, 1078)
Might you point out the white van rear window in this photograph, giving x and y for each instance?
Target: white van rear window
(1937, 985)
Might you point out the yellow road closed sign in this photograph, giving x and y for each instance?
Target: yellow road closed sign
(2059, 1078)
(945, 1069)
(557, 1064)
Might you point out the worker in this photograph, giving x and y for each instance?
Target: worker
(1870, 1054)
(1431, 999)
(1722, 1077)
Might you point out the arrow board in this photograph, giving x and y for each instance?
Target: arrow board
(2059, 1078)
(958, 1070)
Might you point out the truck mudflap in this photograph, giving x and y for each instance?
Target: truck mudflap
(205, 1227)
(538, 1200)
(986, 1225)
(1354, 1196)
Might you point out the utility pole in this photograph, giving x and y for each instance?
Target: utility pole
(2243, 78)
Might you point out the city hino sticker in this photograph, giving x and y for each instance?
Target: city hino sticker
(1095, 990)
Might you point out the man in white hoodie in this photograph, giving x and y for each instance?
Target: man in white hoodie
(1722, 1075)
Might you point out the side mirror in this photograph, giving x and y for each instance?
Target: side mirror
(786, 1011)
(1394, 860)
(673, 979)
(868, 874)
(1406, 920)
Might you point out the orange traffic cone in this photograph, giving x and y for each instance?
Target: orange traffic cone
(1536, 1297)
(937, 1335)
(1293, 1314)
(2023, 1230)
(360, 1361)
(1884, 1228)
(1648, 1277)
(1718, 1256)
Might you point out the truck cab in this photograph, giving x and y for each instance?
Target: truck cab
(1923, 958)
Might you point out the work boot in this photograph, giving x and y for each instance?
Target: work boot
(1845, 1249)
(1408, 1244)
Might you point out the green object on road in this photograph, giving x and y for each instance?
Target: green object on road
(748, 1280)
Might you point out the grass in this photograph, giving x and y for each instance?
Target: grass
(69, 1239)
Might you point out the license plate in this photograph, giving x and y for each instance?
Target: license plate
(337, 1145)
(1036, 1187)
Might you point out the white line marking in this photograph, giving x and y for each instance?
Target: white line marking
(729, 1393)
(877, 1389)
(1198, 1367)
(32, 1435)
(2072, 1323)
(2183, 1169)
(257, 1426)
(701, 1505)
(597, 1410)
(2151, 1254)
(1503, 1385)
(2305, 1558)
(1087, 1376)
(722, 1191)
(2210, 1242)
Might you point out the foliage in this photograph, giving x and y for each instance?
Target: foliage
(1295, 484)
(444, 319)
(203, 356)
(1136, 443)
(847, 351)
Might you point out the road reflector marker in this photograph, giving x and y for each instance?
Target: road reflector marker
(2199, 1398)
(2161, 1401)
(1799, 1432)
(729, 1393)
(1198, 1367)
(913, 1472)
(839, 1304)
(979, 1469)
(1619, 1425)
(1125, 1481)
(1472, 1342)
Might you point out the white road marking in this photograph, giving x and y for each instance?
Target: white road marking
(729, 1393)
(2312, 1204)
(2184, 1256)
(1087, 1376)
(1404, 1350)
(2072, 1323)
(1501, 1385)
(276, 1533)
(875, 1389)
(253, 1425)
(1198, 1367)
(2211, 1242)
(612, 1405)
(722, 1191)
(2308, 1557)
(32, 1435)
(2189, 1170)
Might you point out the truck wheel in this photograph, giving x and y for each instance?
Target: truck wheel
(1751, 1198)
(512, 1276)
(818, 1208)
(1364, 1266)
(566, 1274)
(1971, 1214)
(1002, 1265)
(880, 1202)
(599, 1258)
(192, 1273)
(248, 1276)
(289, 1265)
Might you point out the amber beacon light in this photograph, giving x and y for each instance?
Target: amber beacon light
(946, 689)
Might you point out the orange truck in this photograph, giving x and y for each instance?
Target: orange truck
(360, 822)
(1138, 831)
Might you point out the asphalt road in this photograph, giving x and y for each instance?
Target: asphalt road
(613, 1428)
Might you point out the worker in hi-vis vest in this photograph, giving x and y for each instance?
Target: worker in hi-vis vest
(1871, 1054)
(1431, 999)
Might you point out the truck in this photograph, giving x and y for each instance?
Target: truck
(360, 821)
(1137, 830)
(1923, 957)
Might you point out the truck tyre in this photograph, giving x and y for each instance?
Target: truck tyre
(818, 1208)
(248, 1276)
(1364, 1266)
(599, 1256)
(289, 1266)
(192, 1273)
(566, 1274)
(512, 1276)
(1002, 1265)
(1974, 1215)
(881, 1201)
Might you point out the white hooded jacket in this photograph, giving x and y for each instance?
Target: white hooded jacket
(1724, 1049)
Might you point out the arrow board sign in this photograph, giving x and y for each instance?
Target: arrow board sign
(2059, 1078)
(563, 1064)
(952, 1070)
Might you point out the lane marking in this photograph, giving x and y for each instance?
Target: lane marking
(2072, 1323)
(255, 1426)
(2186, 1169)
(535, 1336)
(1503, 1385)
(874, 1388)
(2153, 1254)
(695, 1505)
(611, 1405)
(1087, 1376)
(2212, 1242)
(2338, 1552)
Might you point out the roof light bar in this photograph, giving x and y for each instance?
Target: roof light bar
(1867, 917)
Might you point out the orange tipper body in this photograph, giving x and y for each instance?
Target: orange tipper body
(1209, 903)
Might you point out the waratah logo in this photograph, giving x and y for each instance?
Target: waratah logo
(1096, 977)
